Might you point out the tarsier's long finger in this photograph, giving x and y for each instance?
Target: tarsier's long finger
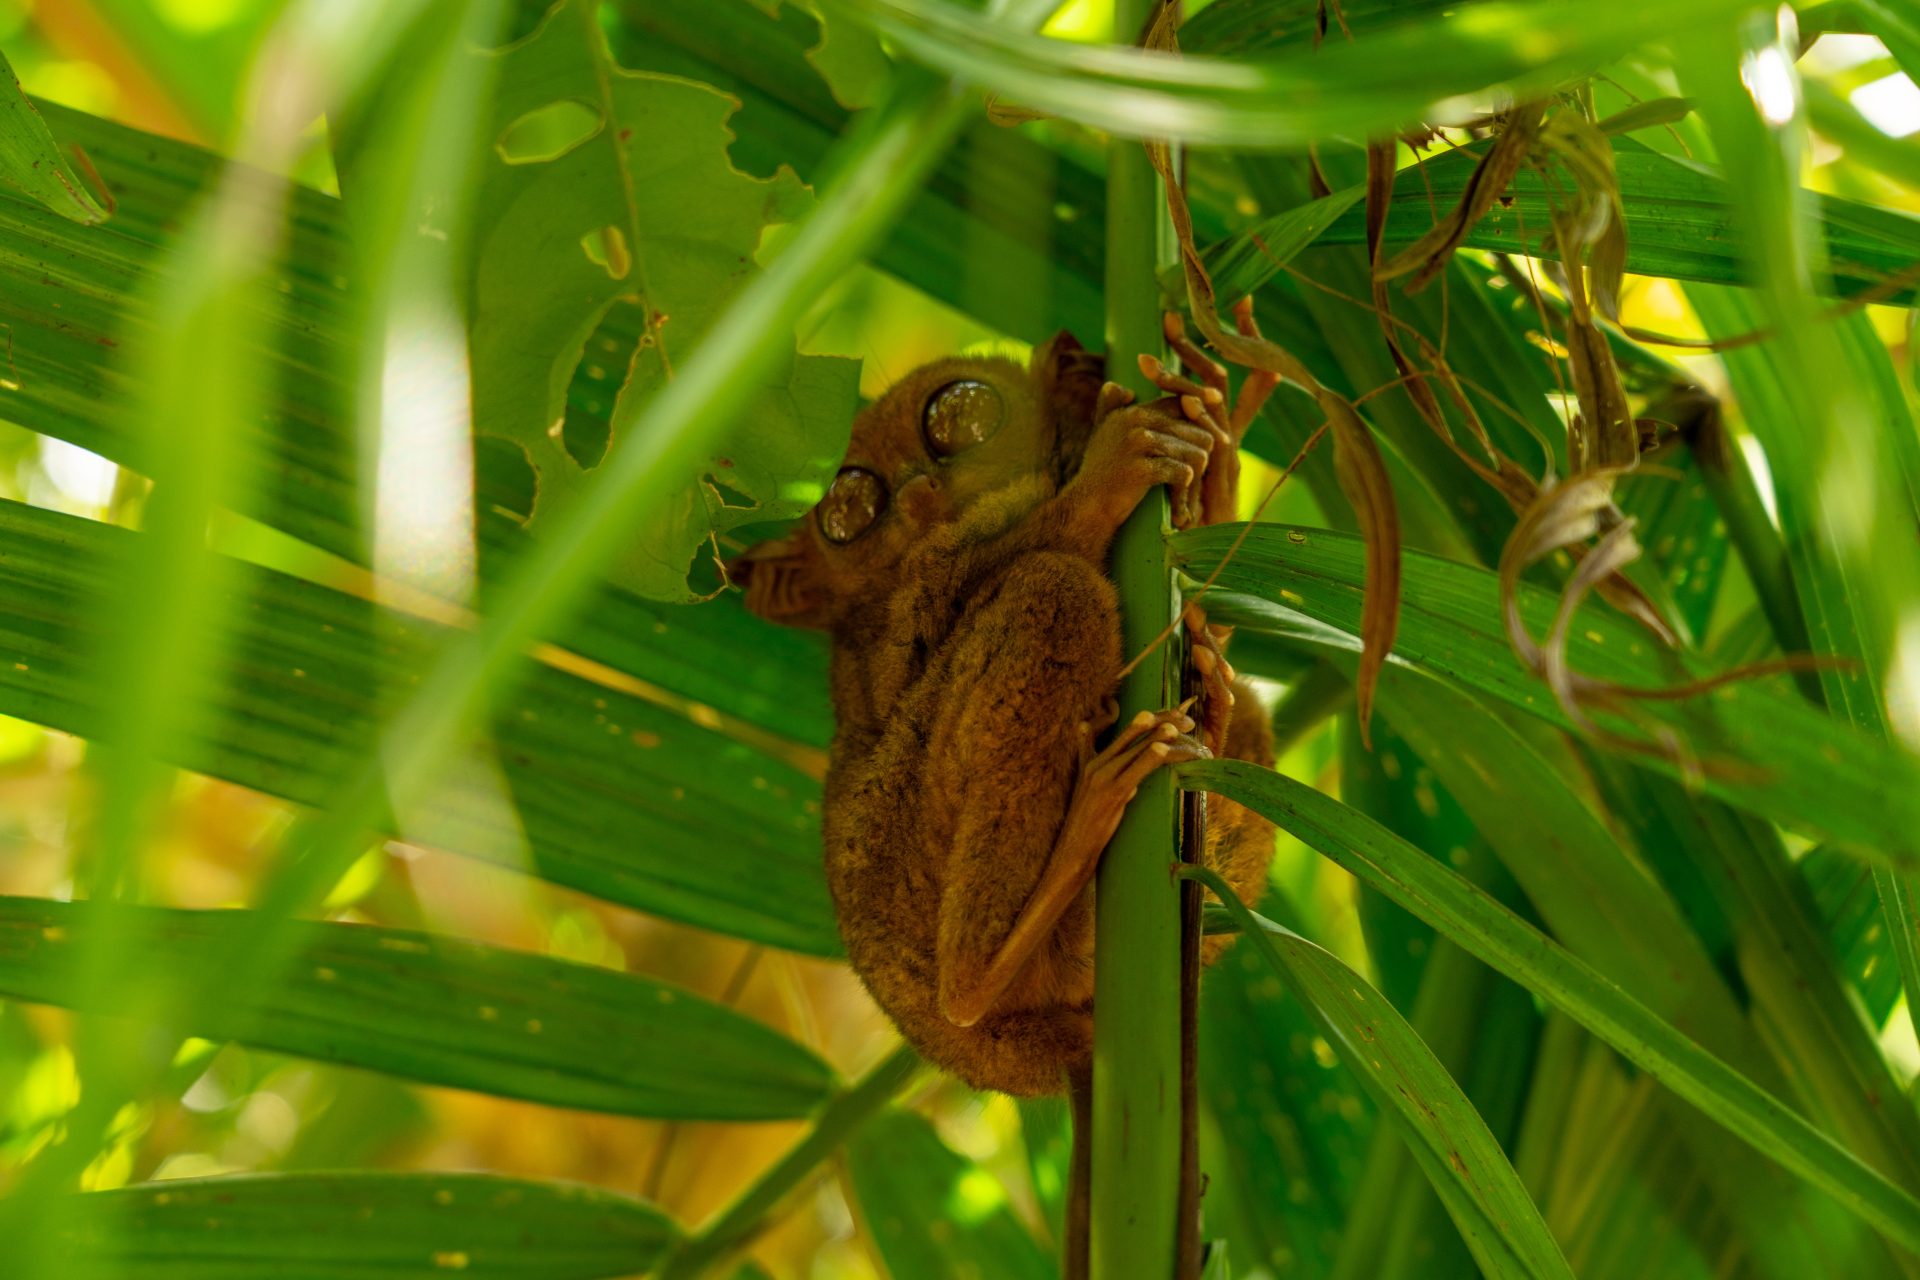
(1112, 397)
(1137, 735)
(1209, 370)
(1216, 678)
(1175, 385)
(1175, 454)
(1167, 745)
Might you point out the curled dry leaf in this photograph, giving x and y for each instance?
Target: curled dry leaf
(1428, 256)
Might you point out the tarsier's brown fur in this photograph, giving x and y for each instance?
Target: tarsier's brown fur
(976, 640)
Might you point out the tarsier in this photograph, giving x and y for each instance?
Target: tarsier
(958, 561)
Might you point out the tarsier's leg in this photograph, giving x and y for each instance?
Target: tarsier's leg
(1107, 781)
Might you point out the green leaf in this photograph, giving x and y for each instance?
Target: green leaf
(1856, 929)
(1482, 926)
(438, 1010)
(1516, 782)
(848, 57)
(68, 294)
(1459, 60)
(1480, 1027)
(1448, 1137)
(1680, 216)
(381, 1226)
(1286, 1124)
(932, 1213)
(31, 161)
(614, 795)
(605, 188)
(1248, 260)
(1762, 747)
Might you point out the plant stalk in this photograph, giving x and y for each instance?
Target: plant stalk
(1136, 1138)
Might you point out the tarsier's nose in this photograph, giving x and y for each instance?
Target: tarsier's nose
(921, 499)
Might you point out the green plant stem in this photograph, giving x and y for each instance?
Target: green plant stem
(1136, 1075)
(735, 1225)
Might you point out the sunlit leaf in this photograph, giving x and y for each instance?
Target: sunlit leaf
(31, 161)
(933, 1213)
(438, 1010)
(605, 190)
(1762, 747)
(384, 1226)
(614, 795)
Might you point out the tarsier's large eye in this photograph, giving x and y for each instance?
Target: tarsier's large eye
(854, 501)
(960, 415)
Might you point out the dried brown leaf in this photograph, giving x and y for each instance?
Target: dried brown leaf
(1426, 257)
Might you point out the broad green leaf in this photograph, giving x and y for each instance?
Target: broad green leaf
(437, 1010)
(1761, 746)
(1448, 1138)
(1680, 216)
(1599, 902)
(1480, 1027)
(1285, 1123)
(1482, 926)
(847, 57)
(614, 795)
(31, 161)
(382, 1226)
(1248, 260)
(1241, 27)
(606, 189)
(1457, 62)
(932, 1213)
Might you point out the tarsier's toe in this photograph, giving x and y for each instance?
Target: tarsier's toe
(1216, 680)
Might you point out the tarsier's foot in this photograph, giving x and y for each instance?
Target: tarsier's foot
(1216, 679)
(1111, 777)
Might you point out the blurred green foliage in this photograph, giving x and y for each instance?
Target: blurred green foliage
(420, 336)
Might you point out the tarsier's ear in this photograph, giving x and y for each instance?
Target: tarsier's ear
(1068, 377)
(1069, 374)
(784, 581)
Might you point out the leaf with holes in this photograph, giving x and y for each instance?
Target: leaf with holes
(848, 56)
(612, 229)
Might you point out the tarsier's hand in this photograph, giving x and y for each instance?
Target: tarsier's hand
(1135, 447)
(1205, 404)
